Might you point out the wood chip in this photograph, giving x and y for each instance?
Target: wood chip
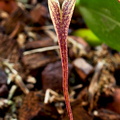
(33, 107)
(82, 68)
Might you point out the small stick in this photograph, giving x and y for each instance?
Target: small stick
(41, 50)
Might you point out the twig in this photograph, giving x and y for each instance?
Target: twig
(41, 50)
(12, 91)
(51, 96)
(39, 28)
(16, 77)
(94, 85)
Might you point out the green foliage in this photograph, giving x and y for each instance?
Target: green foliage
(88, 35)
(103, 18)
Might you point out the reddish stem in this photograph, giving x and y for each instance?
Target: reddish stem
(61, 20)
(64, 60)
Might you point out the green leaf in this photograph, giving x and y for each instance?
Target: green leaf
(88, 35)
(103, 18)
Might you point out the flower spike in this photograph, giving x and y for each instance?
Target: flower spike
(61, 18)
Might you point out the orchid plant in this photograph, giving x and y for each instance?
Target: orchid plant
(61, 17)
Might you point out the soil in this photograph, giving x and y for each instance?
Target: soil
(31, 74)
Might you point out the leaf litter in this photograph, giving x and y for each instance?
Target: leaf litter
(30, 84)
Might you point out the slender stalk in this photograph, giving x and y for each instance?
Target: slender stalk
(64, 59)
(61, 19)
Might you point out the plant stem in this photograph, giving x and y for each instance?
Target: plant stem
(64, 60)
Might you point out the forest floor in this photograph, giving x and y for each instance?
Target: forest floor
(31, 74)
